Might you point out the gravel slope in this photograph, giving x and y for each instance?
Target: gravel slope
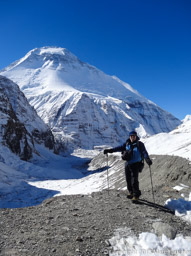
(83, 224)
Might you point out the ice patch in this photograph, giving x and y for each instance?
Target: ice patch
(180, 187)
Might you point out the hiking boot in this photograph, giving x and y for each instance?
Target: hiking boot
(135, 199)
(129, 196)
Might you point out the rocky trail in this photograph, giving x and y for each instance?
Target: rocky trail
(74, 225)
(81, 225)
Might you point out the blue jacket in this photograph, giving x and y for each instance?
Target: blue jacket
(139, 150)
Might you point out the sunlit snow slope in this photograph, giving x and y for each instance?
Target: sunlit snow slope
(176, 142)
(83, 106)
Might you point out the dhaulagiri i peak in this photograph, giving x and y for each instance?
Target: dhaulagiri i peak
(83, 106)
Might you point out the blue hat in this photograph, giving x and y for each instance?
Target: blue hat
(133, 133)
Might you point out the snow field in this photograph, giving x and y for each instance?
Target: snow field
(125, 243)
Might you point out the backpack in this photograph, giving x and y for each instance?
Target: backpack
(128, 154)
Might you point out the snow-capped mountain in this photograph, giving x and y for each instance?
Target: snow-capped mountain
(83, 106)
(20, 126)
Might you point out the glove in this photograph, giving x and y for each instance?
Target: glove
(148, 161)
(106, 151)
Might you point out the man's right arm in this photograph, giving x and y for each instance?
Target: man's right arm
(116, 149)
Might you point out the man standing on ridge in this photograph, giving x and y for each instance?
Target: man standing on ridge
(134, 153)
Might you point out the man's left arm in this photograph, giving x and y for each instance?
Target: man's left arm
(145, 153)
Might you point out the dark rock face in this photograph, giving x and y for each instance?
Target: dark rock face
(14, 133)
(18, 120)
(17, 138)
(44, 137)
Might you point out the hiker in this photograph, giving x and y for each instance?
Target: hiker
(134, 153)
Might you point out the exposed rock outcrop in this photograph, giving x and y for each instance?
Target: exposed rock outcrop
(20, 126)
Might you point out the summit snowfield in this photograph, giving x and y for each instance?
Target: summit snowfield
(83, 106)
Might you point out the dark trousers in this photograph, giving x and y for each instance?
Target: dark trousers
(132, 175)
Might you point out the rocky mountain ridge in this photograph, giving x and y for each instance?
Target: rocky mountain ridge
(20, 126)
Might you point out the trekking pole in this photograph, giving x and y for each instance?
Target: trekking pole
(107, 174)
(152, 184)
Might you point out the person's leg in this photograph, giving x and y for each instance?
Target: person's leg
(135, 180)
(128, 177)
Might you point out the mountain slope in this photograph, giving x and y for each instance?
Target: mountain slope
(20, 126)
(176, 142)
(83, 106)
(169, 167)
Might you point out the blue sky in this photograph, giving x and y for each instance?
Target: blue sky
(146, 43)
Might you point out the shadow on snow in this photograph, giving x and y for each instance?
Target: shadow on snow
(25, 195)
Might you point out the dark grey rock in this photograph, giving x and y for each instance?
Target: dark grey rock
(161, 228)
